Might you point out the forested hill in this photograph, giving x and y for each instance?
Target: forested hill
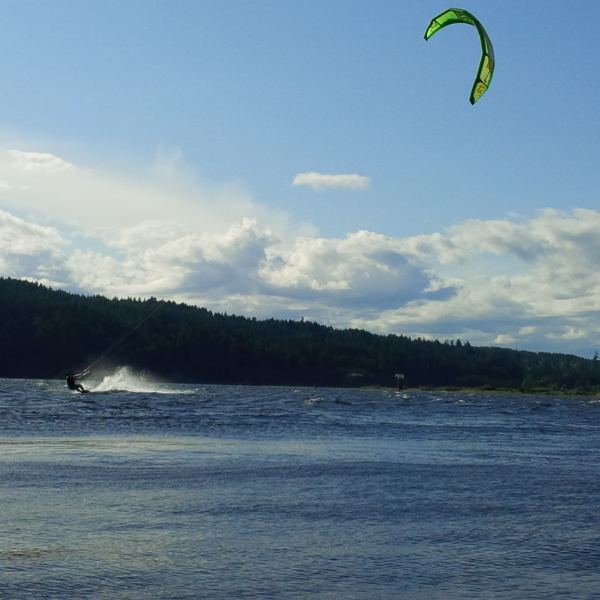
(44, 333)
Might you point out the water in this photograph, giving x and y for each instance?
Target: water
(184, 491)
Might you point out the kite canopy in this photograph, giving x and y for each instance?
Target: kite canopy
(486, 65)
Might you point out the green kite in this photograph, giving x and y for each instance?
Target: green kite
(486, 65)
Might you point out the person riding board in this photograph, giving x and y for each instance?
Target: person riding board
(72, 384)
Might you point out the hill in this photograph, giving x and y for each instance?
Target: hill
(45, 332)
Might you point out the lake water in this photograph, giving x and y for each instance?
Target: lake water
(164, 491)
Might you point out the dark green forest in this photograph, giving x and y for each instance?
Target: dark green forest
(44, 333)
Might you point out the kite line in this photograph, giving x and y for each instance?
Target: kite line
(116, 344)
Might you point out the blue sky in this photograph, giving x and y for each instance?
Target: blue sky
(283, 158)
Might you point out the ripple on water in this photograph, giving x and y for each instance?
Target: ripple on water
(286, 493)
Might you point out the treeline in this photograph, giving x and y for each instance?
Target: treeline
(45, 333)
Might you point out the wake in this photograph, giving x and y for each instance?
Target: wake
(125, 379)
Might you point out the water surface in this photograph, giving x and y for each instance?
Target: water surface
(180, 491)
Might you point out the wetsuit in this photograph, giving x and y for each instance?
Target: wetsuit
(77, 387)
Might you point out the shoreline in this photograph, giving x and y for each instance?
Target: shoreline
(487, 390)
(534, 391)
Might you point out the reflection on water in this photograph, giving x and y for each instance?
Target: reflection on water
(289, 493)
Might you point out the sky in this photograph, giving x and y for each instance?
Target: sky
(308, 159)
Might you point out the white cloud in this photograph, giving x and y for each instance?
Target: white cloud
(96, 202)
(38, 162)
(569, 333)
(198, 265)
(542, 284)
(364, 269)
(527, 330)
(319, 181)
(30, 250)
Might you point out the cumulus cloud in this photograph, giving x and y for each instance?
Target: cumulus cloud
(28, 250)
(530, 283)
(319, 181)
(192, 265)
(363, 269)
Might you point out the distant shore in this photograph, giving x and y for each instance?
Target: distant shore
(488, 390)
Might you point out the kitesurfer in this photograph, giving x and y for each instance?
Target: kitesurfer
(72, 384)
